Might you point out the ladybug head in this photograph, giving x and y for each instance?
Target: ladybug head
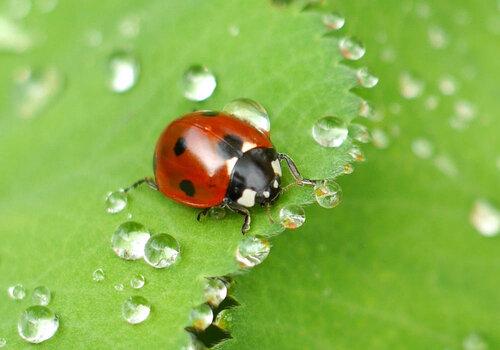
(256, 178)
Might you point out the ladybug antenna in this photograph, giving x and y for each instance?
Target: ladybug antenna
(147, 180)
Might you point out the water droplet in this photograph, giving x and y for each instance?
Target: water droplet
(333, 21)
(446, 165)
(409, 86)
(162, 250)
(217, 213)
(474, 342)
(328, 193)
(123, 71)
(347, 169)
(252, 251)
(357, 154)
(3, 342)
(98, 275)
(233, 30)
(215, 291)
(201, 317)
(37, 324)
(485, 218)
(193, 343)
(292, 216)
(130, 26)
(365, 110)
(93, 38)
(119, 287)
(359, 133)
(136, 309)
(35, 89)
(380, 138)
(437, 37)
(447, 85)
(138, 281)
(431, 102)
(129, 240)
(116, 201)
(224, 320)
(365, 79)
(465, 112)
(13, 38)
(41, 296)
(351, 48)
(249, 111)
(17, 292)
(330, 132)
(18, 9)
(388, 55)
(422, 148)
(199, 83)
(46, 6)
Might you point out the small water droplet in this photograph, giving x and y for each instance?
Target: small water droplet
(46, 6)
(447, 85)
(465, 112)
(224, 320)
(431, 102)
(116, 201)
(365, 110)
(136, 309)
(409, 86)
(93, 38)
(130, 26)
(201, 317)
(292, 216)
(328, 193)
(333, 21)
(123, 71)
(357, 154)
(233, 30)
(17, 292)
(18, 9)
(446, 165)
(252, 251)
(3, 342)
(215, 291)
(35, 89)
(380, 138)
(330, 132)
(13, 38)
(129, 240)
(422, 148)
(37, 324)
(98, 275)
(365, 79)
(485, 218)
(359, 133)
(437, 37)
(347, 169)
(198, 83)
(249, 111)
(351, 48)
(137, 281)
(388, 55)
(162, 250)
(41, 296)
(474, 342)
(217, 213)
(192, 343)
(119, 287)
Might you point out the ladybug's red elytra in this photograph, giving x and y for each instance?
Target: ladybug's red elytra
(211, 159)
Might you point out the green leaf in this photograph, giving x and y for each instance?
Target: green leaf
(82, 140)
(398, 265)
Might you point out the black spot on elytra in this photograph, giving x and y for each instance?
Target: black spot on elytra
(209, 113)
(230, 146)
(180, 146)
(187, 187)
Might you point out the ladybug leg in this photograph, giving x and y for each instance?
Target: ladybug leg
(147, 180)
(295, 171)
(202, 214)
(242, 211)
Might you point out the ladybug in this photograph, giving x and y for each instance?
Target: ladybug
(211, 159)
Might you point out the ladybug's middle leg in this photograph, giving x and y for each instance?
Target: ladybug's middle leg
(242, 211)
(147, 180)
(295, 171)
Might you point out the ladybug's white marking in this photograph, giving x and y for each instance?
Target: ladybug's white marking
(276, 184)
(247, 198)
(230, 163)
(276, 167)
(266, 194)
(247, 146)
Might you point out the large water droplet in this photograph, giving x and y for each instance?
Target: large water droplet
(437, 37)
(292, 216)
(198, 83)
(359, 133)
(116, 201)
(35, 89)
(129, 240)
(98, 275)
(409, 86)
(123, 71)
(365, 79)
(37, 324)
(485, 218)
(333, 21)
(328, 193)
(422, 148)
(224, 320)
(137, 281)
(380, 138)
(13, 38)
(17, 292)
(41, 296)
(330, 132)
(162, 250)
(252, 251)
(474, 342)
(136, 309)
(351, 48)
(201, 317)
(249, 111)
(215, 291)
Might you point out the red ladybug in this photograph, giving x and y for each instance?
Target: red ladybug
(211, 159)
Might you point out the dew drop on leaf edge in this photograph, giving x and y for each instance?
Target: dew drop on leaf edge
(215, 291)
(292, 216)
(252, 251)
(328, 193)
(351, 48)
(201, 317)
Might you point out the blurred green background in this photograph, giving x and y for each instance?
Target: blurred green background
(398, 265)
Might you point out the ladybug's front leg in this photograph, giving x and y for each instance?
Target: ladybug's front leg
(295, 171)
(147, 180)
